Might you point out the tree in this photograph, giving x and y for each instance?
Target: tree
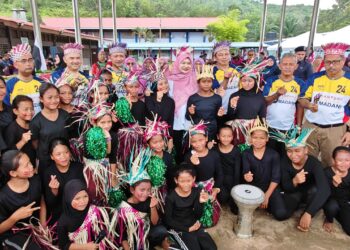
(229, 28)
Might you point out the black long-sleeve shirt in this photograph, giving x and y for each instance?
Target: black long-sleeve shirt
(315, 177)
(182, 212)
(249, 106)
(138, 110)
(342, 192)
(165, 109)
(54, 202)
(209, 167)
(231, 166)
(264, 170)
(206, 109)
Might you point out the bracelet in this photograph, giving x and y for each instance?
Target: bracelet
(108, 139)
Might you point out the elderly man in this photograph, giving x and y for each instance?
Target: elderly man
(326, 97)
(304, 70)
(24, 83)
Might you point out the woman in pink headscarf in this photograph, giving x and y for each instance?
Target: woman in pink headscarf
(182, 83)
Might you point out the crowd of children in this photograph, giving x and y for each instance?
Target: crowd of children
(145, 156)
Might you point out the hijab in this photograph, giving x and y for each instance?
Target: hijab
(185, 84)
(72, 218)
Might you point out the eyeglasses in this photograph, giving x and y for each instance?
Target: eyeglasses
(23, 61)
(334, 62)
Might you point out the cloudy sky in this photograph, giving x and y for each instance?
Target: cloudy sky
(324, 4)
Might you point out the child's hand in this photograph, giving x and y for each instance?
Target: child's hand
(148, 92)
(337, 180)
(26, 136)
(114, 117)
(221, 111)
(24, 212)
(211, 144)
(300, 177)
(194, 158)
(203, 197)
(160, 95)
(107, 134)
(91, 246)
(248, 177)
(220, 91)
(265, 203)
(54, 185)
(215, 193)
(170, 145)
(234, 101)
(195, 226)
(192, 109)
(154, 202)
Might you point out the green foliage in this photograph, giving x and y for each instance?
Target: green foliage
(229, 28)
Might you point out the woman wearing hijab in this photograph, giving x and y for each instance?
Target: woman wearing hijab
(183, 84)
(81, 225)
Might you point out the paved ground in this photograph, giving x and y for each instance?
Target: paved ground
(270, 234)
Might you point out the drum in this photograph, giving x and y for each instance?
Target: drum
(247, 198)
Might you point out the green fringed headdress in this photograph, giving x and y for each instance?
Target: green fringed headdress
(292, 138)
(137, 167)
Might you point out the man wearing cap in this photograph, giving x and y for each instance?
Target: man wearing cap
(117, 55)
(326, 97)
(304, 70)
(100, 64)
(24, 83)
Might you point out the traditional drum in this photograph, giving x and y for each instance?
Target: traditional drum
(247, 198)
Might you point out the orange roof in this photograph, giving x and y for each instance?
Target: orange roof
(16, 23)
(132, 22)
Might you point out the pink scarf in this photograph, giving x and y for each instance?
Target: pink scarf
(185, 84)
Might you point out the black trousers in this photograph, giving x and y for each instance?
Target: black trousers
(224, 197)
(296, 199)
(339, 210)
(277, 206)
(198, 240)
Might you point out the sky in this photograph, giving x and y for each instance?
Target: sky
(324, 4)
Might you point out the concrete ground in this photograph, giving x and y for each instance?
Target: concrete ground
(270, 234)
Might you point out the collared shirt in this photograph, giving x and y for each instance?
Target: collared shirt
(281, 113)
(332, 97)
(16, 86)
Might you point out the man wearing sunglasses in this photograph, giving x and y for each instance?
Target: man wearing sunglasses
(326, 97)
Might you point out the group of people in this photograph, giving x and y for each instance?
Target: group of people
(141, 156)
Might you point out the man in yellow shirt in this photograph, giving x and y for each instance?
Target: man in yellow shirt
(24, 83)
(326, 97)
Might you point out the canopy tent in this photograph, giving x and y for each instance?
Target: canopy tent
(341, 35)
